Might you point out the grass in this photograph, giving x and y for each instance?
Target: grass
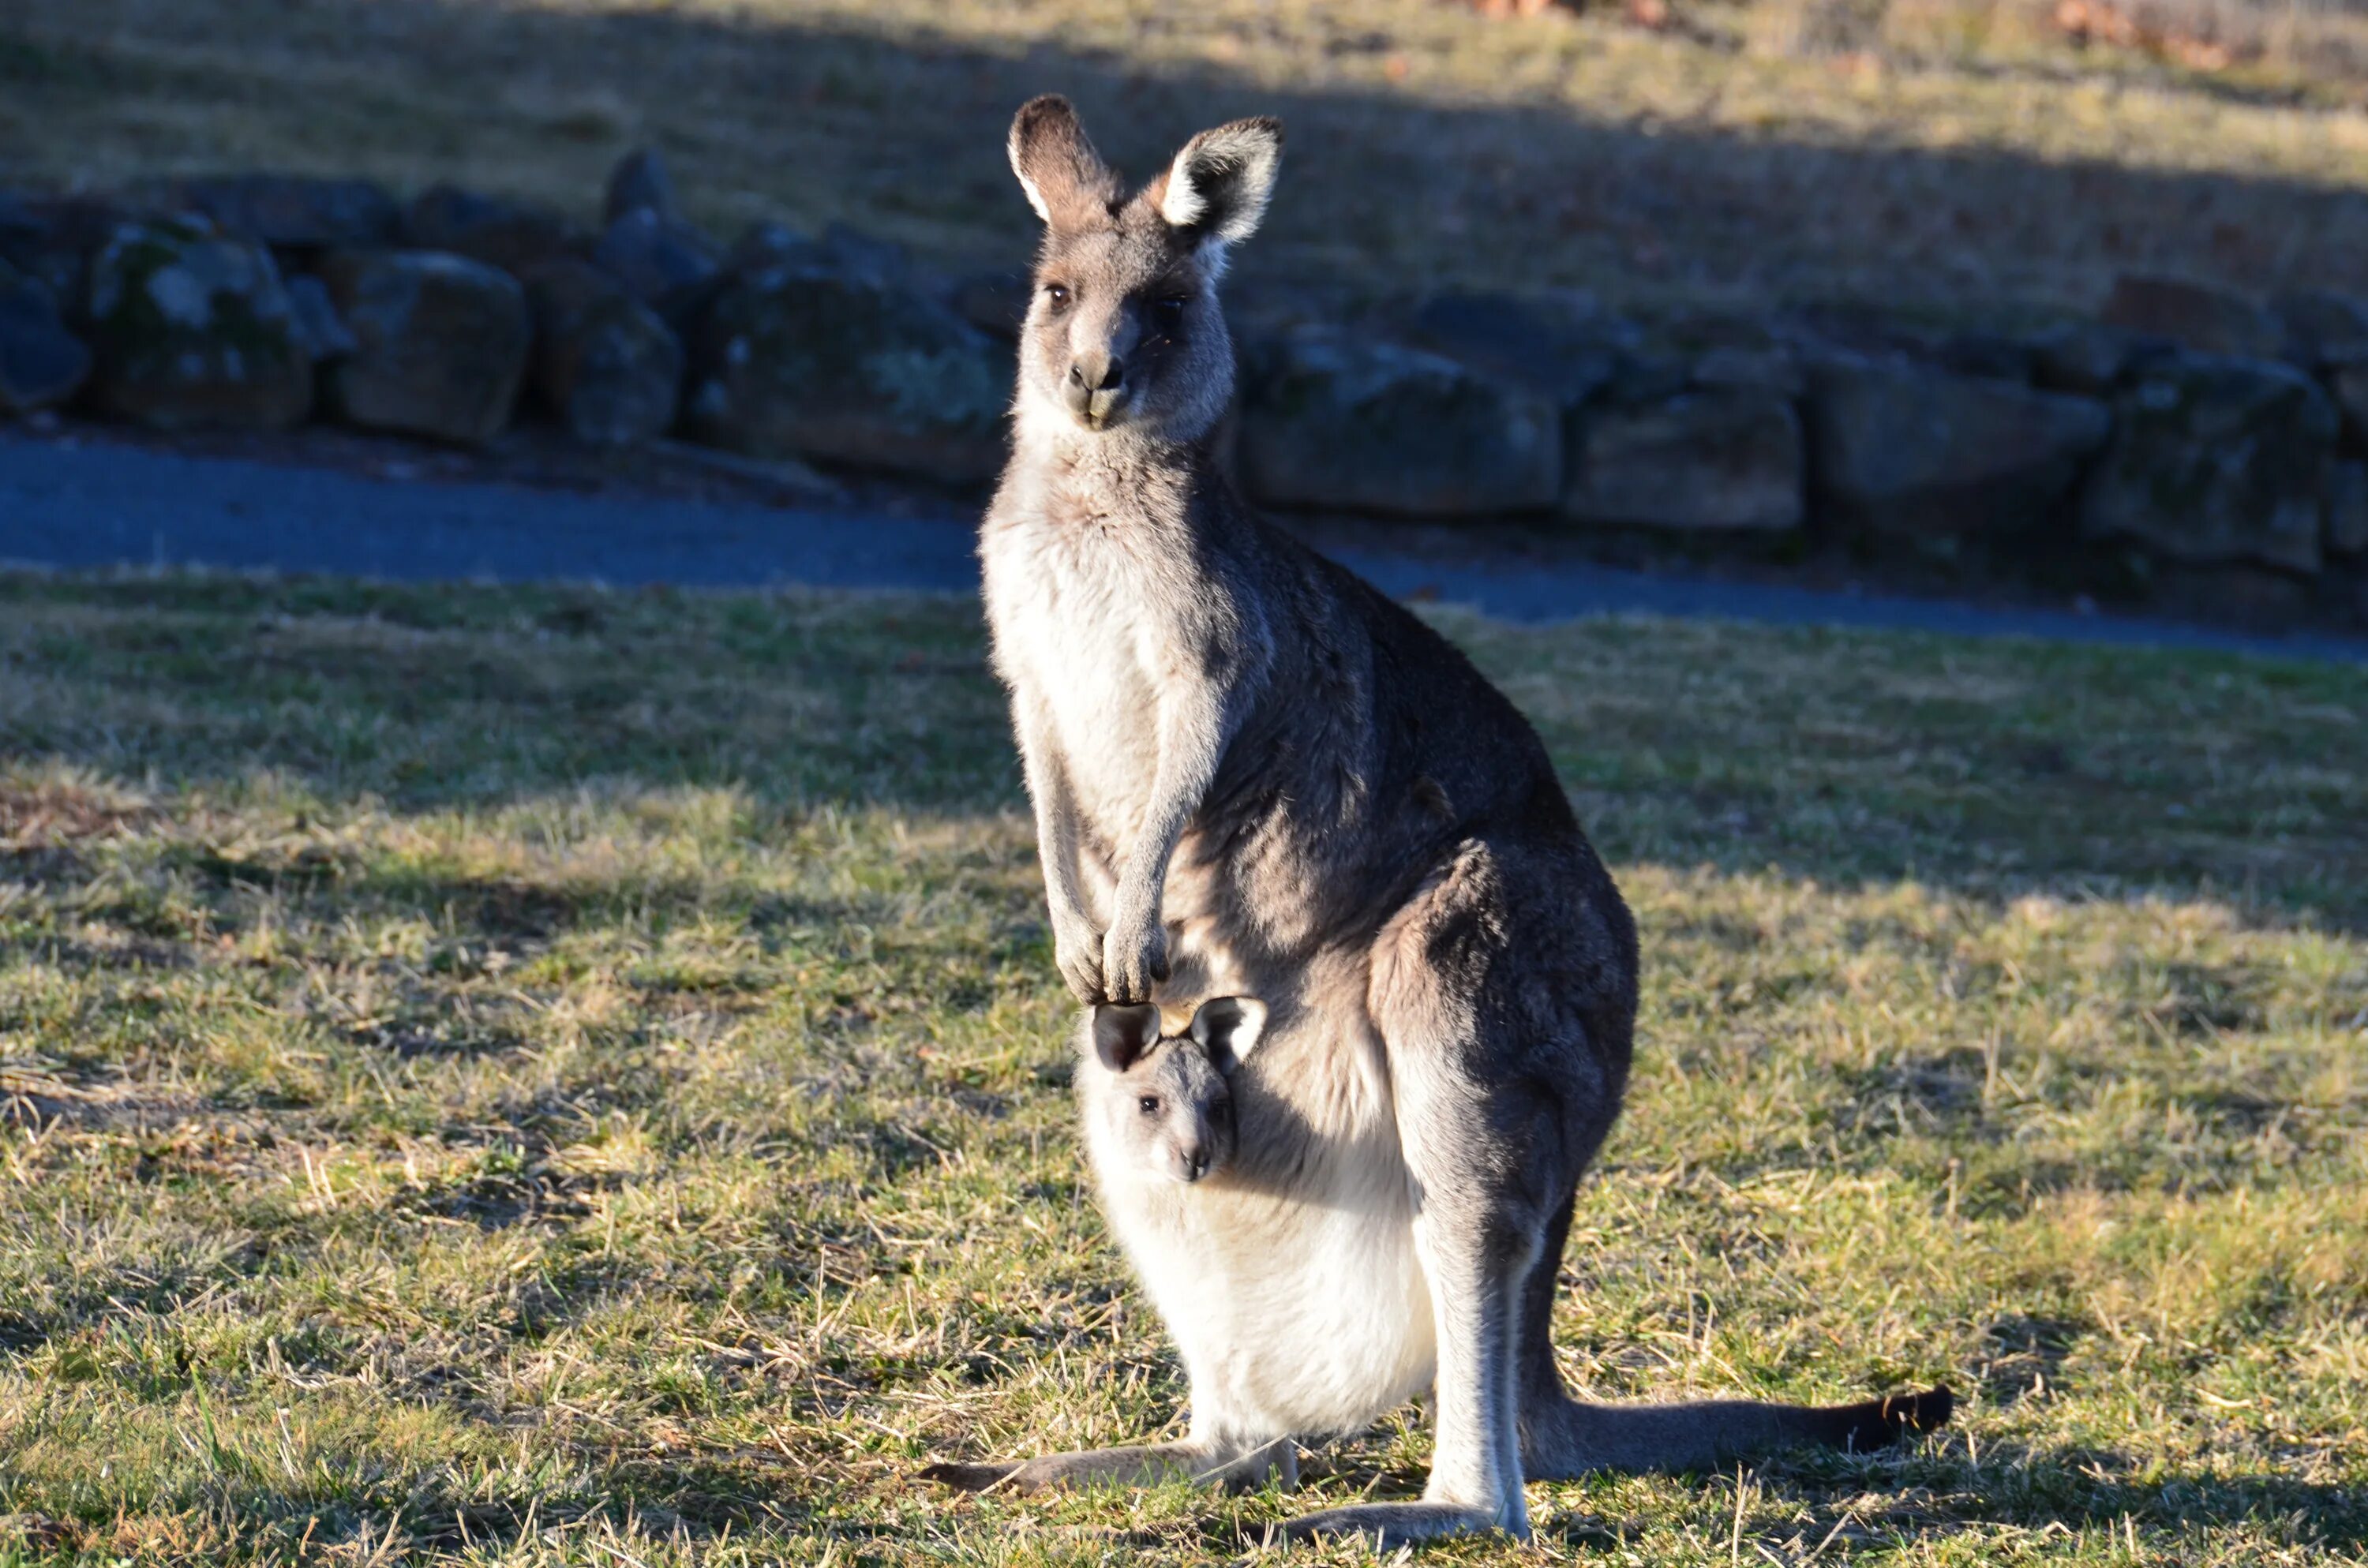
(535, 1077)
(1953, 156)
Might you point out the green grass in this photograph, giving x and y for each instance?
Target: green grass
(1953, 156)
(529, 1077)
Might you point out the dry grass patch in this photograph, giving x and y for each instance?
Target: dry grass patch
(529, 1077)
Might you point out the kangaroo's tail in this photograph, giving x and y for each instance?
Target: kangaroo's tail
(1563, 1437)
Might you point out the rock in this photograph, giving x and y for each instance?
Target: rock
(441, 343)
(1771, 369)
(1357, 424)
(604, 362)
(639, 183)
(857, 254)
(322, 331)
(1989, 354)
(1563, 353)
(996, 301)
(802, 359)
(2347, 508)
(1901, 449)
(662, 261)
(2209, 320)
(2323, 328)
(192, 329)
(1726, 458)
(761, 245)
(2215, 460)
(290, 211)
(2086, 357)
(511, 235)
(54, 239)
(41, 362)
(2348, 384)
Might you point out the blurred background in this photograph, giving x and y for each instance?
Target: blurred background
(1947, 152)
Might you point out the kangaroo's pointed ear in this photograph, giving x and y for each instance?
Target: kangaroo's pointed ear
(1226, 1027)
(1123, 1034)
(1057, 167)
(1218, 184)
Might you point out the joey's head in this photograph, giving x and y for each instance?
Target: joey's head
(1165, 1102)
(1124, 332)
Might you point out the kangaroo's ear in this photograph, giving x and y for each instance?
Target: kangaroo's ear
(1219, 183)
(1057, 167)
(1226, 1027)
(1123, 1034)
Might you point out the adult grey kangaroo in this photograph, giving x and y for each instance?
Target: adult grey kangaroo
(1255, 776)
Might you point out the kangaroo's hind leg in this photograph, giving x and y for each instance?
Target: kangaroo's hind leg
(1499, 1098)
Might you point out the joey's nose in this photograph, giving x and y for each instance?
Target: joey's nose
(1193, 1163)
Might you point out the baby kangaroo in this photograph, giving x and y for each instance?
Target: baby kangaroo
(1320, 802)
(1160, 1106)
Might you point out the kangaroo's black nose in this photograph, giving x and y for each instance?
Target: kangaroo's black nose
(1108, 376)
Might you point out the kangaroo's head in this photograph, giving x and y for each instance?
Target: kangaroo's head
(1166, 1100)
(1124, 332)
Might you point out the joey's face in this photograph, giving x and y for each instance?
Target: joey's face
(1165, 1102)
(1172, 1113)
(1123, 331)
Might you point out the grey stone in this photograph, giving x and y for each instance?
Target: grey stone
(1561, 349)
(2216, 458)
(2323, 328)
(512, 235)
(55, 239)
(1992, 355)
(639, 183)
(1349, 423)
(2086, 357)
(2348, 384)
(2207, 319)
(2347, 508)
(322, 331)
(1773, 369)
(802, 359)
(604, 362)
(42, 363)
(293, 211)
(1901, 449)
(440, 341)
(857, 254)
(1720, 458)
(663, 262)
(192, 329)
(767, 244)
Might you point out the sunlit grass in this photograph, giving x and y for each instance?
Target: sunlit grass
(539, 1076)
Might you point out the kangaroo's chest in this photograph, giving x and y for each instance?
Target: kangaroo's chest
(1083, 641)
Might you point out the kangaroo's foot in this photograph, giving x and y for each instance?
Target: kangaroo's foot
(1202, 1463)
(1389, 1526)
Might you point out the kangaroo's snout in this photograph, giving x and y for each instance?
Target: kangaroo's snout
(1096, 388)
(1192, 1162)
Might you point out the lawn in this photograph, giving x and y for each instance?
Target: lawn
(1949, 156)
(539, 1076)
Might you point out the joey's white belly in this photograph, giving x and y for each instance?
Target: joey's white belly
(1301, 1314)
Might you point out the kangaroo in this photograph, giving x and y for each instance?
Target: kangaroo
(1332, 811)
(1159, 1106)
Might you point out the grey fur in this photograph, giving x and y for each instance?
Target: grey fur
(1255, 775)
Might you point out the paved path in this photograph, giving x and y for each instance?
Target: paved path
(96, 506)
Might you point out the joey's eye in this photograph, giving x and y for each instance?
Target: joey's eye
(1168, 313)
(1057, 295)
(1149, 1104)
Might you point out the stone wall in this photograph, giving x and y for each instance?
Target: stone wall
(2186, 437)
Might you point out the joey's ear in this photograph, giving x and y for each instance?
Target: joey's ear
(1123, 1034)
(1219, 183)
(1226, 1027)
(1057, 167)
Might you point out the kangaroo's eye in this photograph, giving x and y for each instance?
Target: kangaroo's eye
(1167, 314)
(1149, 1104)
(1057, 295)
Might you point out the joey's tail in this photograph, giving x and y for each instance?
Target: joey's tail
(1563, 1438)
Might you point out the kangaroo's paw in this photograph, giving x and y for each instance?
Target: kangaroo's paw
(1146, 1466)
(1389, 1526)
(1879, 1423)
